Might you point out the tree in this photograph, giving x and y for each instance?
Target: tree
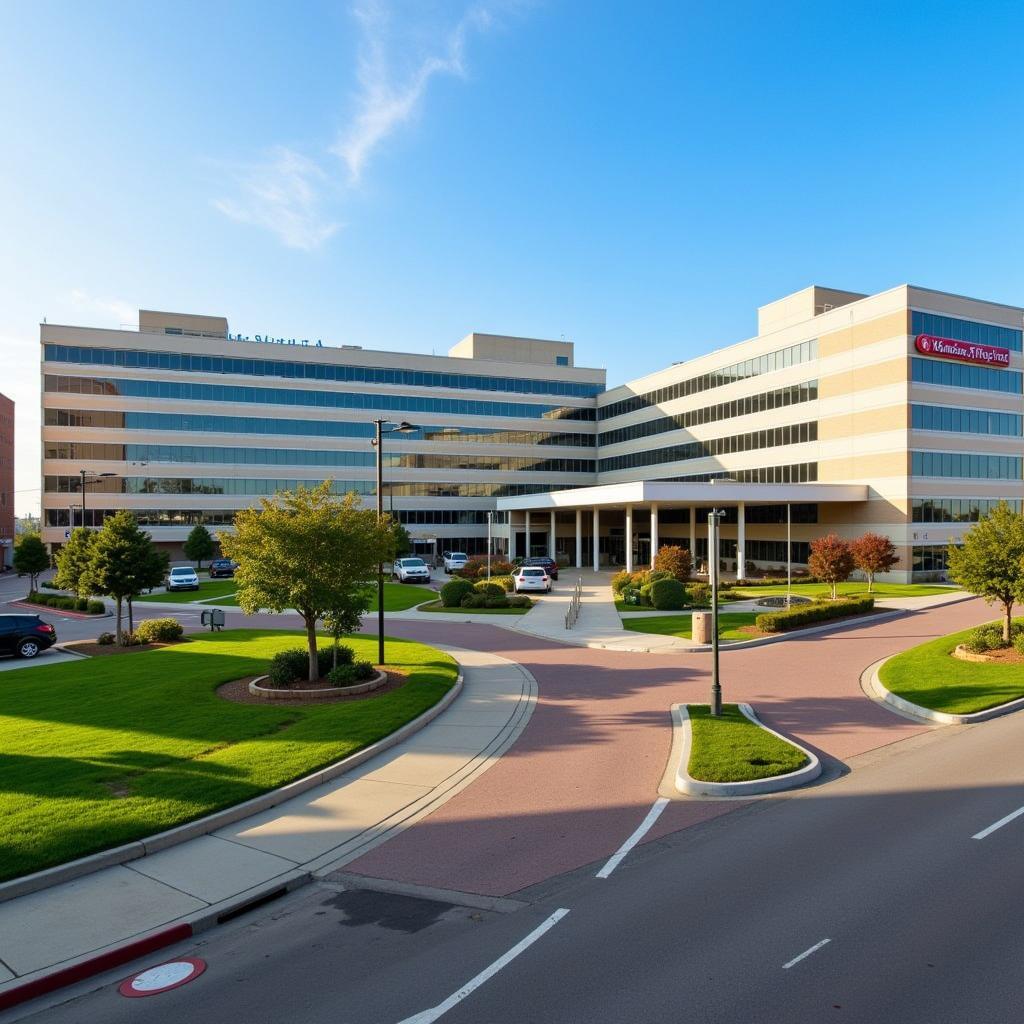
(31, 557)
(402, 540)
(831, 560)
(198, 545)
(990, 561)
(674, 559)
(73, 561)
(308, 550)
(125, 561)
(873, 553)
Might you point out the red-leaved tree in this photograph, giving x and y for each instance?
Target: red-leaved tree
(674, 559)
(873, 553)
(831, 560)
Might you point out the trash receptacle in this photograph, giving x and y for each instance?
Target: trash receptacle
(701, 627)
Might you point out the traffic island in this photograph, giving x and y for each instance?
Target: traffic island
(321, 691)
(734, 755)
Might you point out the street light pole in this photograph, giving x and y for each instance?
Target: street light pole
(490, 516)
(94, 480)
(714, 518)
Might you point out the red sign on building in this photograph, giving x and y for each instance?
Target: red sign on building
(964, 351)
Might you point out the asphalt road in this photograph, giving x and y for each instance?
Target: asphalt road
(923, 921)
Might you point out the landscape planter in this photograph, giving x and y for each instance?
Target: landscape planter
(279, 693)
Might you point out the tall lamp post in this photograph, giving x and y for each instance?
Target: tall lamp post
(714, 518)
(490, 517)
(398, 428)
(86, 479)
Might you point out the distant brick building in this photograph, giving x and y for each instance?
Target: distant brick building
(6, 479)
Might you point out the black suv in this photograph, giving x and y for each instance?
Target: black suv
(549, 565)
(222, 567)
(25, 635)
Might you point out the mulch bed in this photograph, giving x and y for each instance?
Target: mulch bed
(94, 650)
(238, 692)
(1001, 656)
(753, 631)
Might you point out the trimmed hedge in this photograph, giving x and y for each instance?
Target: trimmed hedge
(668, 595)
(454, 591)
(351, 672)
(62, 602)
(490, 589)
(793, 618)
(474, 599)
(291, 666)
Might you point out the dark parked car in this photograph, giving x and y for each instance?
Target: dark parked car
(222, 567)
(549, 565)
(25, 635)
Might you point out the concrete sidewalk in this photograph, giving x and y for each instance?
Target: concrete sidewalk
(309, 835)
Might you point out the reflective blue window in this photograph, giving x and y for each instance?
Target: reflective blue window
(965, 330)
(970, 421)
(967, 465)
(963, 375)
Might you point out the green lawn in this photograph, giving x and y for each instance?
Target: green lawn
(928, 675)
(680, 625)
(733, 749)
(436, 606)
(845, 589)
(98, 752)
(207, 589)
(398, 597)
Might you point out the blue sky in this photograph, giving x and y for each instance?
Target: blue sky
(635, 177)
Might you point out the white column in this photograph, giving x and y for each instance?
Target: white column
(597, 547)
(741, 540)
(654, 532)
(526, 553)
(579, 538)
(511, 536)
(693, 537)
(629, 538)
(551, 536)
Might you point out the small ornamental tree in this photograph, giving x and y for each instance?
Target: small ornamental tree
(990, 561)
(198, 545)
(873, 553)
(831, 560)
(73, 561)
(308, 550)
(125, 562)
(402, 540)
(675, 560)
(31, 557)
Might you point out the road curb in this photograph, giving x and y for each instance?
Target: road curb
(688, 785)
(58, 611)
(875, 686)
(210, 823)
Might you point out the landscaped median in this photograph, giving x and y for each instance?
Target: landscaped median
(928, 680)
(734, 754)
(99, 753)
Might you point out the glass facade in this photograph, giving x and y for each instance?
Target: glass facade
(965, 464)
(793, 433)
(795, 473)
(221, 393)
(187, 362)
(956, 510)
(791, 356)
(965, 330)
(925, 559)
(969, 421)
(964, 375)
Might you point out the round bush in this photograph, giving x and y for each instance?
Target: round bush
(675, 560)
(96, 607)
(490, 589)
(105, 639)
(668, 595)
(474, 600)
(519, 601)
(291, 666)
(507, 583)
(454, 591)
(496, 602)
(346, 656)
(159, 631)
(351, 673)
(621, 580)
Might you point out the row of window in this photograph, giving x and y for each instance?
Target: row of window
(792, 356)
(956, 510)
(794, 473)
(758, 550)
(966, 464)
(192, 363)
(929, 559)
(791, 433)
(203, 424)
(176, 453)
(217, 485)
(801, 513)
(449, 517)
(221, 393)
(767, 400)
(965, 330)
(964, 375)
(970, 421)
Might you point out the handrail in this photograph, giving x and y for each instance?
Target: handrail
(573, 612)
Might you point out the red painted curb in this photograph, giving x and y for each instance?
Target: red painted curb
(94, 965)
(56, 611)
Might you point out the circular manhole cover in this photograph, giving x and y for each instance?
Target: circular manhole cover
(162, 978)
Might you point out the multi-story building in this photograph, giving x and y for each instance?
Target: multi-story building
(899, 412)
(6, 480)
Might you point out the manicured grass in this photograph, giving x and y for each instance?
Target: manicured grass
(436, 606)
(207, 589)
(98, 752)
(398, 597)
(928, 675)
(845, 590)
(733, 749)
(681, 625)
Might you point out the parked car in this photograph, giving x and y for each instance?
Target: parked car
(25, 636)
(549, 565)
(530, 577)
(182, 577)
(454, 560)
(222, 567)
(412, 570)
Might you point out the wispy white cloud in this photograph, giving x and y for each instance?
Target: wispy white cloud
(80, 299)
(284, 194)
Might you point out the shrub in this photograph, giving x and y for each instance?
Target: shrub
(728, 595)
(454, 591)
(95, 607)
(159, 631)
(287, 667)
(470, 571)
(496, 602)
(793, 618)
(490, 589)
(700, 594)
(81, 605)
(653, 575)
(675, 560)
(105, 639)
(668, 595)
(1018, 643)
(630, 595)
(474, 599)
(502, 568)
(507, 583)
(50, 585)
(351, 673)
(66, 604)
(129, 639)
(346, 656)
(990, 637)
(645, 593)
(519, 601)
(621, 580)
